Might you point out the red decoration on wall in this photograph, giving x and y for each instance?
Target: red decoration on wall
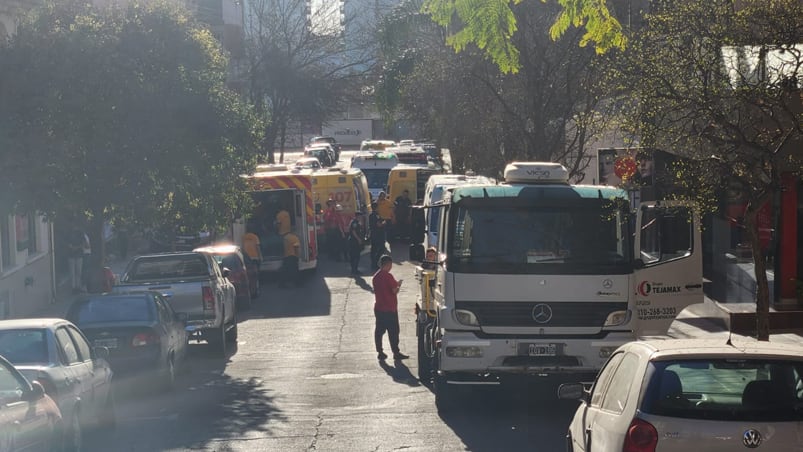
(625, 167)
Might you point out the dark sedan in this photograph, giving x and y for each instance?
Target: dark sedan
(142, 332)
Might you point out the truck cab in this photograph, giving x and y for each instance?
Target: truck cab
(537, 277)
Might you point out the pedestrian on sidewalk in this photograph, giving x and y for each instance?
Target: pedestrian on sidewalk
(77, 241)
(386, 308)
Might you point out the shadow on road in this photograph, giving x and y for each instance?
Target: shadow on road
(525, 416)
(400, 373)
(205, 396)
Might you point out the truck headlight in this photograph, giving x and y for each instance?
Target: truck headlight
(466, 317)
(617, 318)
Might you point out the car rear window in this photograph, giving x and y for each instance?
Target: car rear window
(113, 310)
(168, 267)
(230, 261)
(726, 390)
(24, 346)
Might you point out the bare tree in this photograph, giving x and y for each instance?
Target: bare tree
(301, 67)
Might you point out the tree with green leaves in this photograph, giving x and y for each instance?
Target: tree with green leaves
(121, 115)
(720, 83)
(548, 110)
(491, 25)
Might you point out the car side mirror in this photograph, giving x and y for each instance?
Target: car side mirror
(226, 272)
(101, 352)
(181, 317)
(37, 391)
(572, 391)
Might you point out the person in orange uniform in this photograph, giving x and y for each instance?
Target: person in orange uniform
(251, 244)
(283, 224)
(290, 274)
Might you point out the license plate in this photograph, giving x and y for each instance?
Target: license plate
(542, 350)
(108, 343)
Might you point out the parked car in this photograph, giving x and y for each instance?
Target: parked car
(308, 163)
(323, 152)
(76, 375)
(29, 419)
(330, 140)
(144, 335)
(681, 395)
(193, 283)
(243, 273)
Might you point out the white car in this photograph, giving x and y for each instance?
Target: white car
(691, 395)
(308, 162)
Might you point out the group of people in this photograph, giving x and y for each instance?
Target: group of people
(290, 243)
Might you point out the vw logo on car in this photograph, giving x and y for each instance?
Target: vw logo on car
(542, 313)
(751, 438)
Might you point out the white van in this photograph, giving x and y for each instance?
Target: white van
(376, 166)
(433, 194)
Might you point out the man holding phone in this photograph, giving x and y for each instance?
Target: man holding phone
(386, 308)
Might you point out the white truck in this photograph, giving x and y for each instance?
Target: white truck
(537, 277)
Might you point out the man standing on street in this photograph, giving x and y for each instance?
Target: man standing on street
(292, 246)
(356, 236)
(386, 309)
(377, 227)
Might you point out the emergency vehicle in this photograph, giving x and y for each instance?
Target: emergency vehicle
(537, 277)
(346, 186)
(376, 166)
(276, 188)
(376, 145)
(412, 178)
(436, 187)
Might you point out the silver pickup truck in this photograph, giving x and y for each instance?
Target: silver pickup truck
(194, 284)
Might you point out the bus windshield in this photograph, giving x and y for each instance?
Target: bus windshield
(377, 179)
(584, 237)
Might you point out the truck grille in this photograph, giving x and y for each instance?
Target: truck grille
(520, 314)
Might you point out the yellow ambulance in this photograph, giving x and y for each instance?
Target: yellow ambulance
(346, 186)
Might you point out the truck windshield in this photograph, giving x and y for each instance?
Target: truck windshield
(580, 237)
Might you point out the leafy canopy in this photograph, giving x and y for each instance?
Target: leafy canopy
(491, 24)
(121, 114)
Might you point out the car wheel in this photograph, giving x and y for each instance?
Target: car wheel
(232, 333)
(169, 379)
(73, 438)
(108, 415)
(217, 339)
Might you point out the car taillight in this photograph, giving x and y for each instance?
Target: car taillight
(48, 385)
(209, 299)
(641, 437)
(144, 339)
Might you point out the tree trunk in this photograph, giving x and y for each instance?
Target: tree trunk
(760, 266)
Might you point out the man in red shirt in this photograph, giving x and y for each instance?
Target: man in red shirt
(386, 308)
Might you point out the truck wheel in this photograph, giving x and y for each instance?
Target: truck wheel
(424, 361)
(231, 334)
(217, 339)
(445, 398)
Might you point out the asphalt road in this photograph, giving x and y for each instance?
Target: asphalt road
(304, 377)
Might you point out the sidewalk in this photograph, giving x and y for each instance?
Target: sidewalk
(708, 320)
(65, 297)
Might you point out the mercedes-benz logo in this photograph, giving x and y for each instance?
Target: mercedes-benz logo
(751, 438)
(542, 313)
(607, 283)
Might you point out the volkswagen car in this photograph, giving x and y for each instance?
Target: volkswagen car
(684, 395)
